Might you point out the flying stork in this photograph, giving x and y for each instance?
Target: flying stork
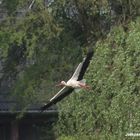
(74, 82)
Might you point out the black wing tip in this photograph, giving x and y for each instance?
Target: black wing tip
(86, 62)
(45, 107)
(57, 99)
(90, 51)
(89, 54)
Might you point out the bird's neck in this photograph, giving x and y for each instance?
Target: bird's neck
(65, 84)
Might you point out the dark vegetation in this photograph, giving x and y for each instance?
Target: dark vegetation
(43, 45)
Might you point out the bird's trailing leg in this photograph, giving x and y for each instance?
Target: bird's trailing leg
(84, 86)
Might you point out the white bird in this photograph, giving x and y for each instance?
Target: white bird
(74, 82)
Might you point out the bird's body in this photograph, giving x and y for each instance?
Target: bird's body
(73, 83)
(76, 81)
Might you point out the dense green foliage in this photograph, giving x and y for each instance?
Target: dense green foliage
(35, 53)
(42, 45)
(112, 108)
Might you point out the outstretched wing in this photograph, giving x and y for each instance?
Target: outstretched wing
(77, 71)
(85, 64)
(82, 67)
(58, 97)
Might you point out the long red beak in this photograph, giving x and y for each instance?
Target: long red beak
(59, 85)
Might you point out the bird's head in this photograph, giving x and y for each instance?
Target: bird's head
(62, 83)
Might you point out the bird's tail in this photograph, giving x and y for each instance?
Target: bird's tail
(77, 90)
(83, 81)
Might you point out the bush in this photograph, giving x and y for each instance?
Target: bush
(112, 108)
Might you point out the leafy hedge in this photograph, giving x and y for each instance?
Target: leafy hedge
(112, 108)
